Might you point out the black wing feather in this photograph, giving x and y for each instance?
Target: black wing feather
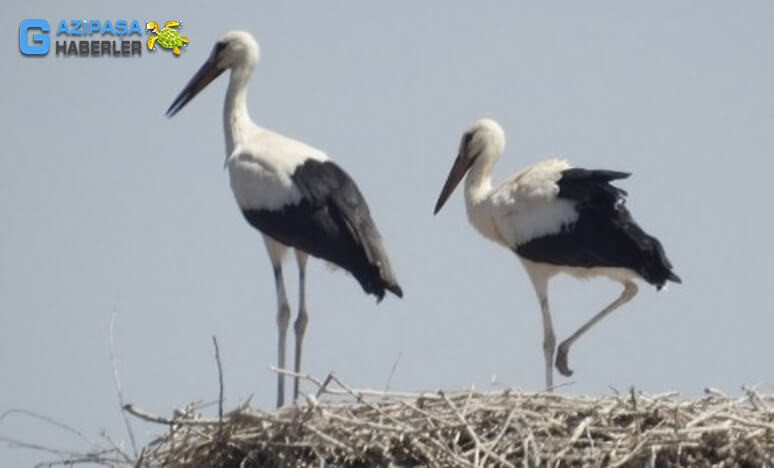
(332, 221)
(604, 235)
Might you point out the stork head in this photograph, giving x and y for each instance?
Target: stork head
(236, 50)
(484, 141)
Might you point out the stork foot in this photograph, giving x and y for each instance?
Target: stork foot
(561, 361)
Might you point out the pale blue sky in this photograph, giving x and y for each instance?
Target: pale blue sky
(108, 207)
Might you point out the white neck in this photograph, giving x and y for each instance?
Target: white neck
(478, 182)
(236, 120)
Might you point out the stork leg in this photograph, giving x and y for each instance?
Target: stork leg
(549, 342)
(303, 317)
(629, 291)
(540, 277)
(276, 252)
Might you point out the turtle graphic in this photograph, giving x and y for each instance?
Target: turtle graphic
(168, 38)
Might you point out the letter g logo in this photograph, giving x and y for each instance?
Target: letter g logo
(40, 42)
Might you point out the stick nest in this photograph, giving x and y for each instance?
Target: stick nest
(345, 427)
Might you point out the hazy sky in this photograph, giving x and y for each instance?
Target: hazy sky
(106, 206)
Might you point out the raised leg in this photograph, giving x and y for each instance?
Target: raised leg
(276, 252)
(303, 317)
(540, 277)
(629, 291)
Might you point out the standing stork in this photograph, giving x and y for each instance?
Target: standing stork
(292, 193)
(556, 218)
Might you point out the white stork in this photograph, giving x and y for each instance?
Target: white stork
(556, 218)
(292, 193)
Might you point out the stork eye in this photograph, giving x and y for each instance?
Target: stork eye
(466, 148)
(219, 46)
(467, 137)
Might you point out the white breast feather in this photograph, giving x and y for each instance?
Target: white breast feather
(526, 205)
(261, 170)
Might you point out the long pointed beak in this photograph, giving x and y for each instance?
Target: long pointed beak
(458, 170)
(208, 72)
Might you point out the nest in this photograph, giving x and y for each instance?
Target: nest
(345, 427)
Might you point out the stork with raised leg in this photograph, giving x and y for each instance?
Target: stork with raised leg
(292, 193)
(556, 218)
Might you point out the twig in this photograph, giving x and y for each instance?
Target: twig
(220, 379)
(471, 433)
(142, 414)
(324, 387)
(117, 380)
(38, 447)
(48, 420)
(116, 447)
(392, 372)
(500, 435)
(634, 398)
(361, 392)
